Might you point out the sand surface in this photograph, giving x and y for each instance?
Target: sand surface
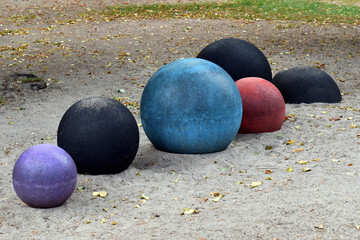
(79, 58)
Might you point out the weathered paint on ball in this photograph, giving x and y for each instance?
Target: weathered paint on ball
(44, 176)
(191, 106)
(263, 106)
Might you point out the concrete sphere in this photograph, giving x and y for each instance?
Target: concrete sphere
(100, 134)
(239, 58)
(263, 106)
(191, 106)
(307, 84)
(44, 176)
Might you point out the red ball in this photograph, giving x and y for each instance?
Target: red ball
(263, 105)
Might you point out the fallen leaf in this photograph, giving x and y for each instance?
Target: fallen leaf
(297, 127)
(267, 147)
(289, 169)
(103, 220)
(113, 223)
(305, 169)
(255, 184)
(269, 178)
(95, 194)
(268, 172)
(189, 211)
(214, 194)
(290, 142)
(217, 198)
(103, 194)
(302, 162)
(299, 150)
(145, 197)
(320, 226)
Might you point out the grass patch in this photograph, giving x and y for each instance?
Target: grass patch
(30, 79)
(27, 78)
(2, 100)
(297, 10)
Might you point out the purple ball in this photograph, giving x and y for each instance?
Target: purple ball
(44, 176)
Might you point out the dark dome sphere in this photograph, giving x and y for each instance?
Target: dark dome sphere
(307, 84)
(239, 58)
(100, 134)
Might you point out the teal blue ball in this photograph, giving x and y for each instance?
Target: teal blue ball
(191, 106)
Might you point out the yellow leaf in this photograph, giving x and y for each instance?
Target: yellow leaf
(255, 184)
(95, 194)
(320, 226)
(103, 194)
(289, 169)
(269, 178)
(189, 211)
(302, 162)
(217, 198)
(290, 142)
(297, 127)
(113, 223)
(214, 194)
(145, 197)
(299, 150)
(103, 220)
(305, 169)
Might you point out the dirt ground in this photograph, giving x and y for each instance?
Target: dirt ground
(79, 58)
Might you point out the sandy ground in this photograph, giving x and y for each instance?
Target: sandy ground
(81, 58)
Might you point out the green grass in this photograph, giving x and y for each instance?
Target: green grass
(30, 79)
(297, 10)
(2, 100)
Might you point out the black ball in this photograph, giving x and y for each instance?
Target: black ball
(239, 58)
(100, 134)
(307, 84)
